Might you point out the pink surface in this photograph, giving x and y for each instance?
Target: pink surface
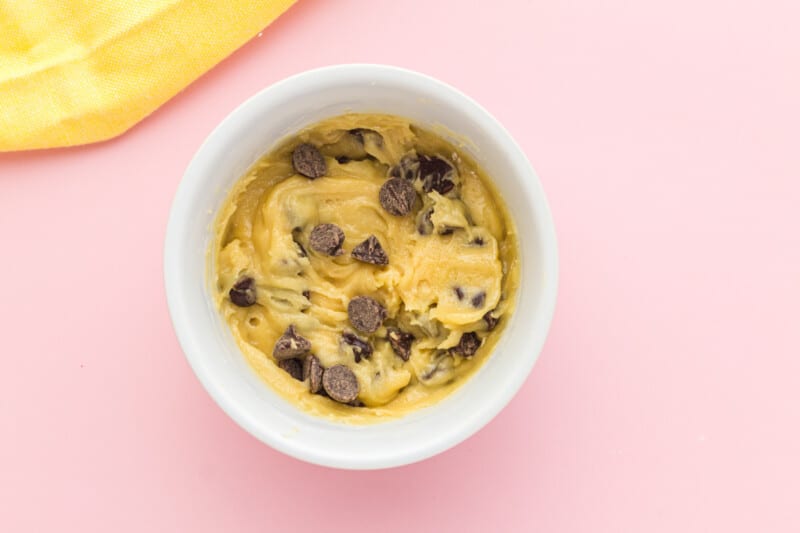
(667, 138)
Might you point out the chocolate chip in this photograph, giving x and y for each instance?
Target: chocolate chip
(307, 295)
(371, 251)
(436, 174)
(301, 251)
(340, 383)
(424, 223)
(312, 371)
(407, 168)
(342, 159)
(467, 345)
(243, 292)
(478, 299)
(294, 367)
(362, 133)
(459, 293)
(308, 161)
(366, 314)
(290, 344)
(327, 239)
(361, 348)
(491, 321)
(397, 196)
(358, 133)
(400, 342)
(439, 370)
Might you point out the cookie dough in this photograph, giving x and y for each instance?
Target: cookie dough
(366, 267)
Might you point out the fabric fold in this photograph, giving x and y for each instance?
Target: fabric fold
(80, 71)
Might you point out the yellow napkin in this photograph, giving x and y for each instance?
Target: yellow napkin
(79, 71)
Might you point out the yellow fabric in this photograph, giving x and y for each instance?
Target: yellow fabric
(79, 71)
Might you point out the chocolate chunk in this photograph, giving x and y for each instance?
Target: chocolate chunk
(327, 239)
(340, 383)
(371, 251)
(243, 292)
(400, 342)
(397, 196)
(424, 223)
(407, 168)
(358, 133)
(294, 367)
(439, 370)
(478, 299)
(436, 174)
(301, 251)
(467, 345)
(290, 344)
(441, 186)
(363, 133)
(307, 295)
(459, 293)
(312, 371)
(309, 161)
(491, 321)
(342, 159)
(361, 348)
(366, 314)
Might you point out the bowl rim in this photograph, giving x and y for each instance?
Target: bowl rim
(180, 211)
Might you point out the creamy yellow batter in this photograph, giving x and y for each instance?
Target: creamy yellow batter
(440, 282)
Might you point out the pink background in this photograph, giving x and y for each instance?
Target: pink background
(667, 136)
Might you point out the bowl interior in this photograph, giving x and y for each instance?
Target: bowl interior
(235, 145)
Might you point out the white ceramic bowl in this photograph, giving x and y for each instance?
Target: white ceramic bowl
(249, 132)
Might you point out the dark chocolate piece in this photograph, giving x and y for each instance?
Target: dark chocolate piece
(436, 174)
(400, 342)
(294, 367)
(366, 314)
(397, 196)
(478, 300)
(467, 345)
(424, 223)
(327, 239)
(301, 250)
(361, 348)
(243, 292)
(362, 133)
(358, 133)
(312, 371)
(407, 168)
(371, 251)
(309, 161)
(340, 383)
(290, 344)
(491, 321)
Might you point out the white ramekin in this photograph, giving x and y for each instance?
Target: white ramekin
(249, 132)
